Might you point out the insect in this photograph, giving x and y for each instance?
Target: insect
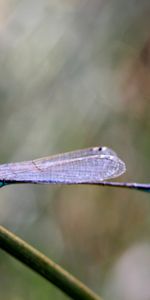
(85, 166)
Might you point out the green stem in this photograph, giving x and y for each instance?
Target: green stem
(44, 266)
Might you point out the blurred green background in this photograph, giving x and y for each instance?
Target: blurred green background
(76, 74)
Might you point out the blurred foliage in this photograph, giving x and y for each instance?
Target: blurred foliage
(75, 74)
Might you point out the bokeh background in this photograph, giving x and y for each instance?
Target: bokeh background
(76, 74)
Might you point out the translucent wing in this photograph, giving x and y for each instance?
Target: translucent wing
(90, 165)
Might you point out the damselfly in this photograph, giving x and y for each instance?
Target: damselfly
(86, 166)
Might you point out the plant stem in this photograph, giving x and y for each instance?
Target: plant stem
(38, 262)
